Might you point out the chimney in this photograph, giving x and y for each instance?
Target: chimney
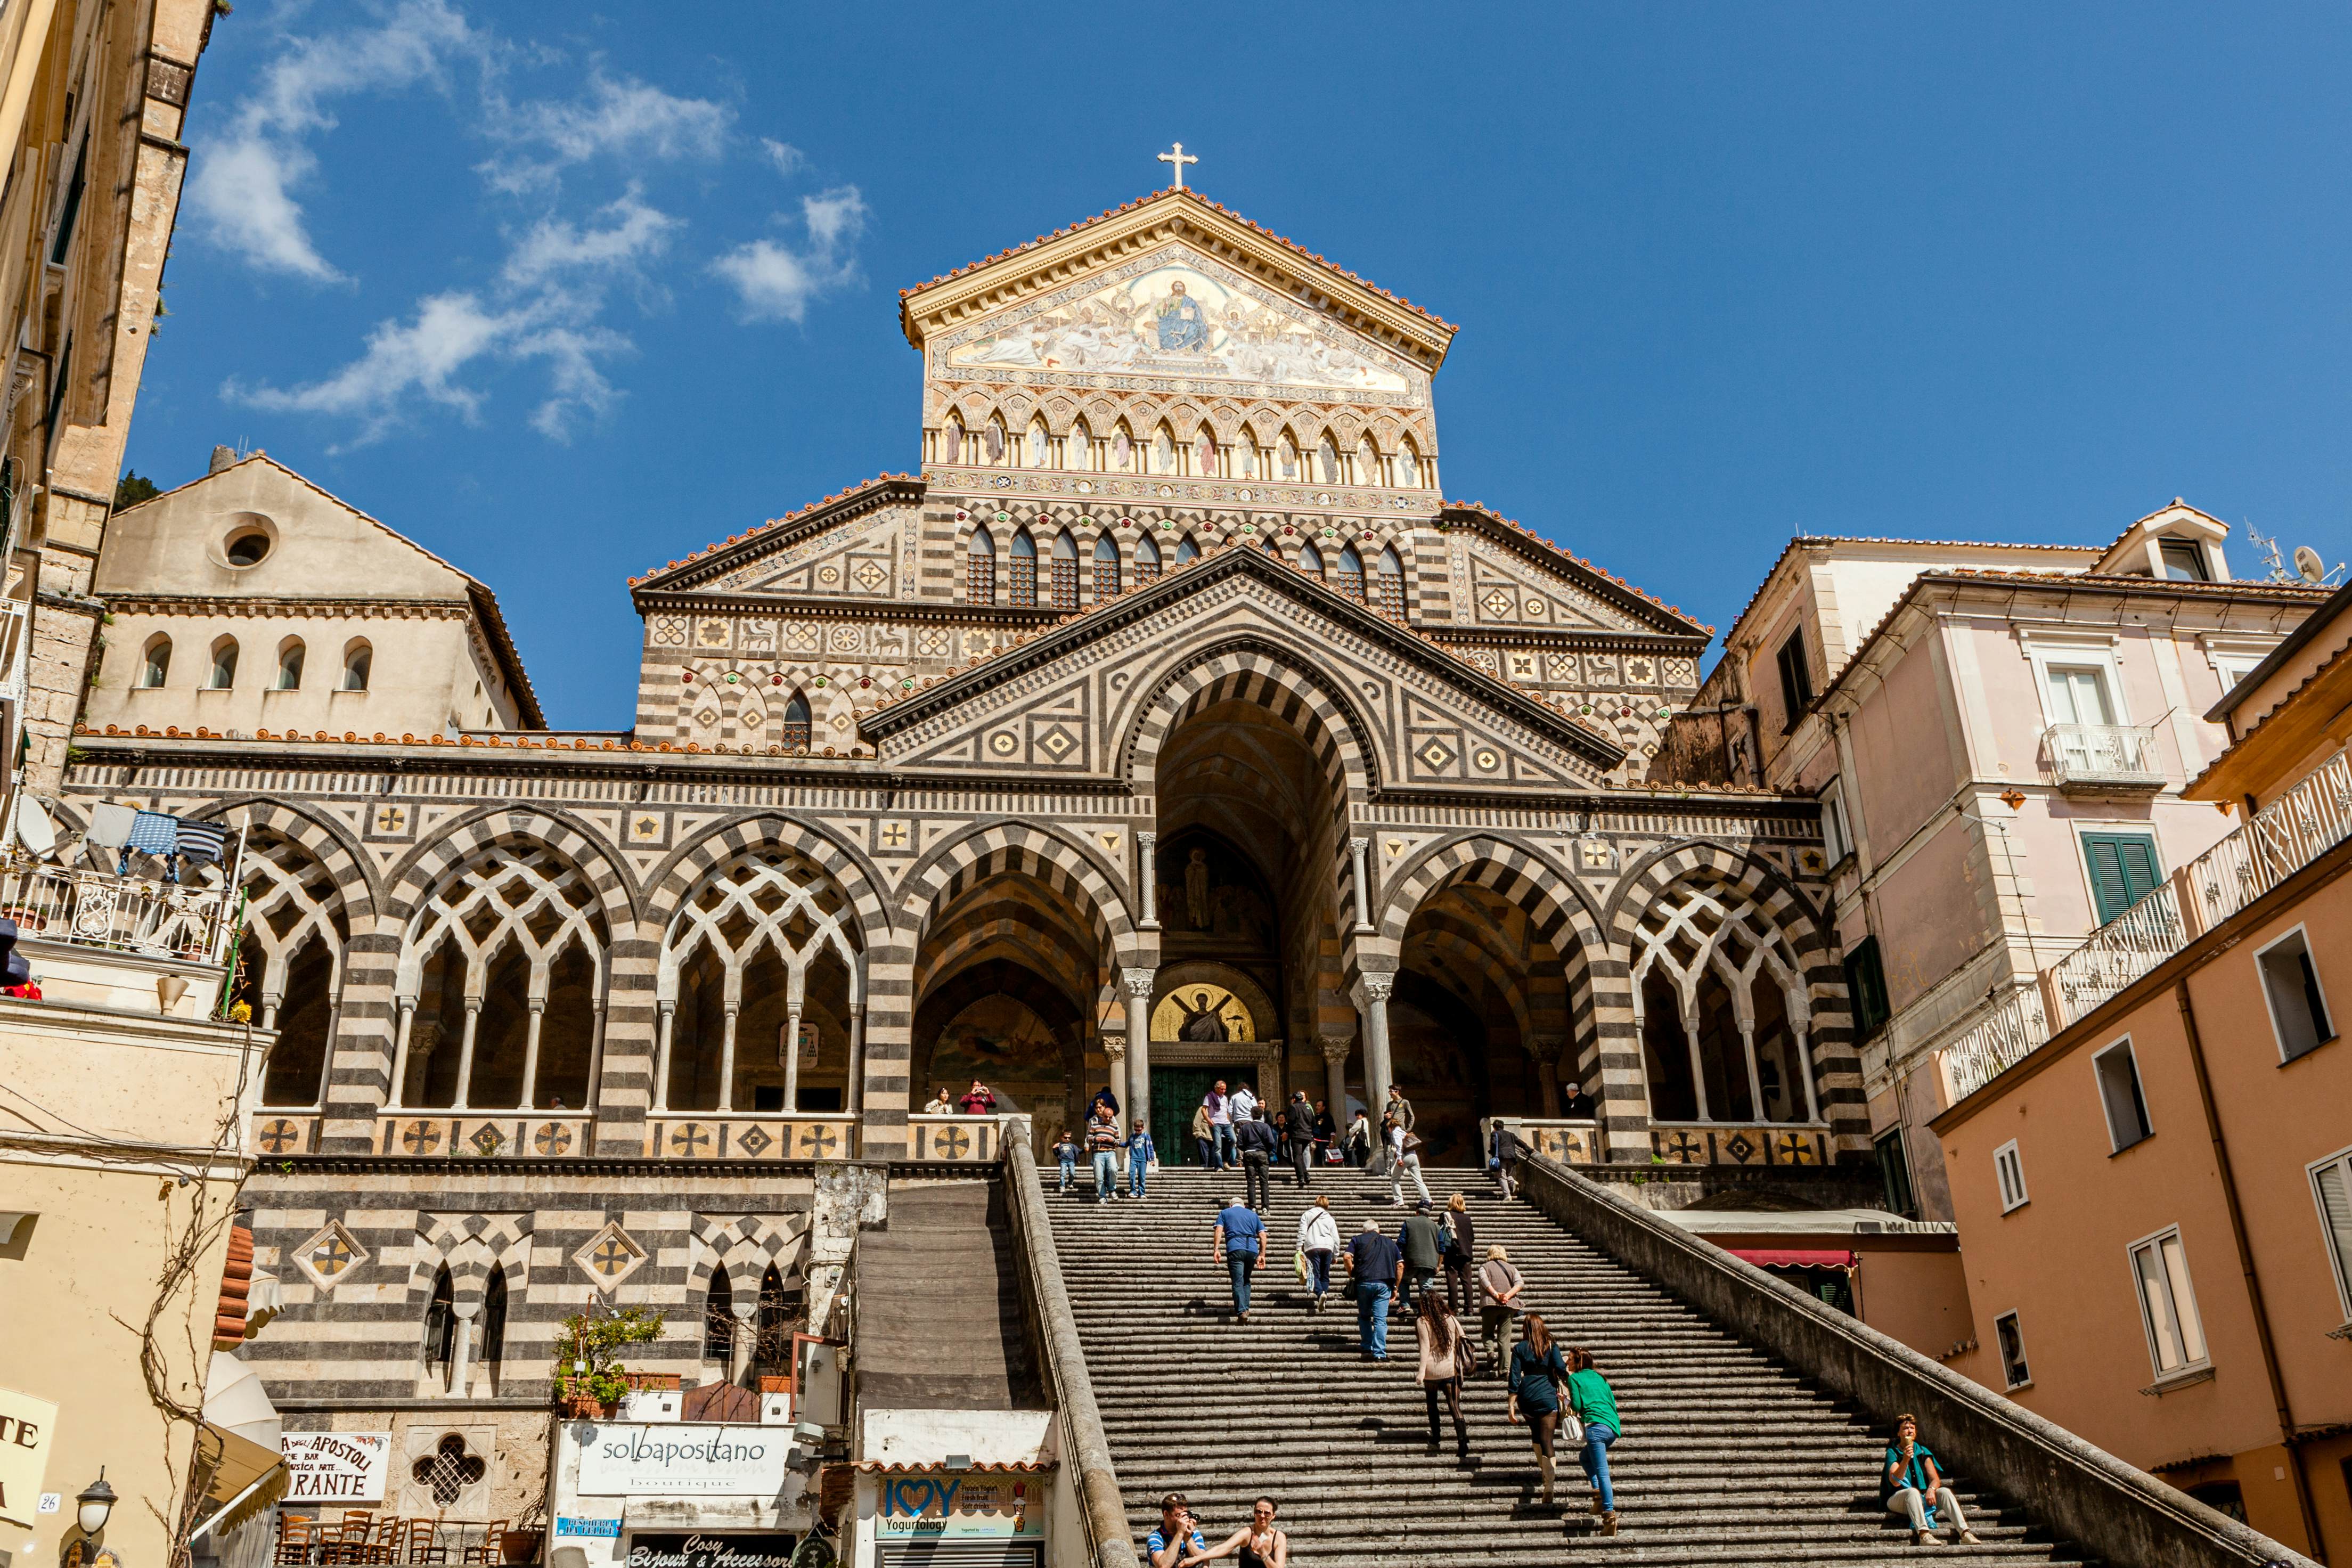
(222, 458)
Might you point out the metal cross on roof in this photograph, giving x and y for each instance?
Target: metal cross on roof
(1180, 158)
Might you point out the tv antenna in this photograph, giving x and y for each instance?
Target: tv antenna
(2310, 568)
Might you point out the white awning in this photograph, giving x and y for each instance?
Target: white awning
(238, 1412)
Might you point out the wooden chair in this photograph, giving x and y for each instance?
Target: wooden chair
(424, 1543)
(390, 1531)
(294, 1542)
(491, 1549)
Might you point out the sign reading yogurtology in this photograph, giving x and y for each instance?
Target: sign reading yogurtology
(683, 1461)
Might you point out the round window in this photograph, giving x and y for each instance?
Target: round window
(246, 549)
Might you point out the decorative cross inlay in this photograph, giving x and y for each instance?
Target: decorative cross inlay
(688, 1139)
(609, 1256)
(280, 1135)
(893, 836)
(817, 1142)
(1179, 158)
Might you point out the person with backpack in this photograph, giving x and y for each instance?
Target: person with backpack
(1537, 1375)
(1592, 1401)
(1499, 1289)
(1503, 1152)
(1236, 1242)
(1424, 1250)
(1258, 1147)
(1446, 1358)
(1405, 1160)
(1461, 1239)
(1299, 1133)
(1140, 1155)
(1319, 1240)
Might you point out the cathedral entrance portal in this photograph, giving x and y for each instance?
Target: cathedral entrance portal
(1206, 1028)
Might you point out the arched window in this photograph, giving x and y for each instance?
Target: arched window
(1187, 549)
(358, 658)
(796, 720)
(224, 671)
(1147, 559)
(1388, 585)
(1025, 568)
(1065, 572)
(441, 1327)
(780, 1309)
(1720, 1000)
(494, 1319)
(719, 1319)
(156, 666)
(1105, 583)
(980, 567)
(1351, 580)
(289, 664)
(951, 440)
(1041, 443)
(1310, 560)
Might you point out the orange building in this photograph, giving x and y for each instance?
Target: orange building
(2151, 1160)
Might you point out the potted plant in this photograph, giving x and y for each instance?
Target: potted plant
(588, 1377)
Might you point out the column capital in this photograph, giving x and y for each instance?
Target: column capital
(1140, 981)
(1146, 836)
(1115, 1046)
(857, 1009)
(1336, 1047)
(1377, 986)
(1358, 846)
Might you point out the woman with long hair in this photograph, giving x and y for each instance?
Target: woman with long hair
(1595, 1404)
(1257, 1544)
(1538, 1372)
(1446, 1357)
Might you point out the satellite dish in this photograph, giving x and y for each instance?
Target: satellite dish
(2307, 562)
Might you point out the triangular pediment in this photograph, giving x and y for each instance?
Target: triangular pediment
(1071, 701)
(1138, 235)
(1512, 577)
(854, 545)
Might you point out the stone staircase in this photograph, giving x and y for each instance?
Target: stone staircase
(1727, 1457)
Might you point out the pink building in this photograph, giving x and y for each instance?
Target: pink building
(1998, 735)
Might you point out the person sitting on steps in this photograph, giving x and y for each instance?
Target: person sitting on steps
(1176, 1536)
(1256, 1544)
(1912, 1488)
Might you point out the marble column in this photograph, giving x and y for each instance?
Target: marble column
(400, 1054)
(461, 1356)
(1138, 1041)
(1699, 1068)
(594, 1095)
(1335, 1076)
(530, 1053)
(466, 1054)
(727, 1056)
(1115, 1064)
(1356, 848)
(1147, 864)
(855, 1099)
(1372, 994)
(661, 1055)
(791, 1044)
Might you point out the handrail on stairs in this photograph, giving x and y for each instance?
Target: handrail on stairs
(1110, 1543)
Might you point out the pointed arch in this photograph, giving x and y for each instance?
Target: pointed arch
(1253, 669)
(1310, 560)
(1080, 451)
(1388, 585)
(1064, 567)
(1024, 574)
(1188, 550)
(1147, 559)
(1105, 586)
(798, 728)
(1041, 443)
(980, 567)
(1350, 579)
(952, 438)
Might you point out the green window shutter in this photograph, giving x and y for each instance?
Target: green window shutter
(2123, 870)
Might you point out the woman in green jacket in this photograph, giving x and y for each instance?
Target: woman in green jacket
(1595, 1404)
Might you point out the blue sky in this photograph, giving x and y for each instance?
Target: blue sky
(564, 292)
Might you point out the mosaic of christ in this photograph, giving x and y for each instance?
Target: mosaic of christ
(1176, 317)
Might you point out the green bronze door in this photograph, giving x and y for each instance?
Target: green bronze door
(1176, 1093)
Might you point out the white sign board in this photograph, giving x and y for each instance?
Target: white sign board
(336, 1466)
(667, 1461)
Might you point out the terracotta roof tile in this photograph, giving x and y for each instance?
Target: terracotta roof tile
(735, 538)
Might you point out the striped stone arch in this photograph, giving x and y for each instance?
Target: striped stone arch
(1771, 898)
(994, 848)
(744, 1245)
(1253, 669)
(457, 843)
(473, 1247)
(1557, 908)
(719, 846)
(328, 841)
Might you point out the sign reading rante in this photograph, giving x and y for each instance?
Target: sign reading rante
(683, 1461)
(336, 1466)
(710, 1551)
(26, 1426)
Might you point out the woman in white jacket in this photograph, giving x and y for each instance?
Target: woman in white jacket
(1318, 1238)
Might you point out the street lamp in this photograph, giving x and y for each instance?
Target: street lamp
(97, 1500)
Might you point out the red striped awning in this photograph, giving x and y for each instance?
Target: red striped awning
(1795, 1257)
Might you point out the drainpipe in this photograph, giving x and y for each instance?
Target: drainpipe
(2246, 1265)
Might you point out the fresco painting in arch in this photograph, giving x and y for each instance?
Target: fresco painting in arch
(1176, 317)
(1000, 1041)
(1198, 1012)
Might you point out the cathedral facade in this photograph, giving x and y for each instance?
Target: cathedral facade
(1164, 725)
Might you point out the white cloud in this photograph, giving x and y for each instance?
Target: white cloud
(776, 282)
(241, 189)
(634, 233)
(624, 117)
(787, 158)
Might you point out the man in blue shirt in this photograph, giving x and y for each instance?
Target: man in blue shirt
(1177, 1535)
(1378, 1268)
(1235, 1242)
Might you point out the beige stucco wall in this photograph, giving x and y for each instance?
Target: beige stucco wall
(107, 1113)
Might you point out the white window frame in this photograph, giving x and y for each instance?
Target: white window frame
(2139, 1082)
(2102, 653)
(2187, 1368)
(2342, 1263)
(2009, 1173)
(2012, 1384)
(1837, 842)
(2262, 979)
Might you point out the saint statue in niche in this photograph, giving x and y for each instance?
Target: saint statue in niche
(1201, 1026)
(1183, 325)
(1196, 892)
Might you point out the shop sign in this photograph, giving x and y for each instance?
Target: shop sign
(959, 1507)
(604, 1529)
(710, 1551)
(336, 1466)
(669, 1460)
(26, 1428)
